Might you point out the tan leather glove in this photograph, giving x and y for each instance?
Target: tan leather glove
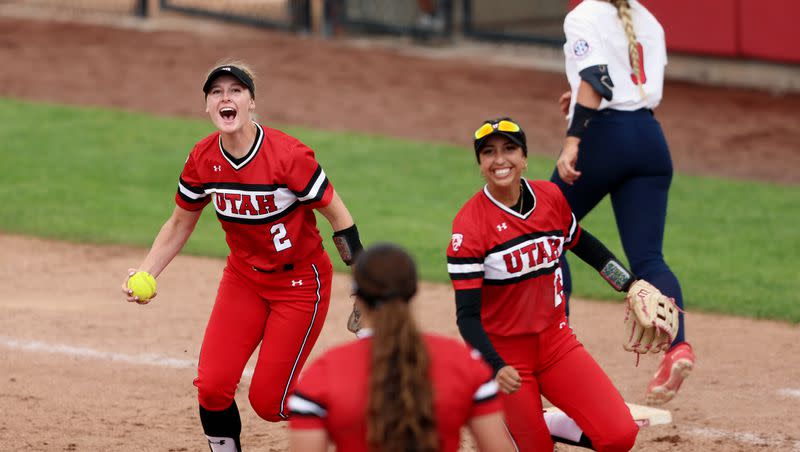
(651, 319)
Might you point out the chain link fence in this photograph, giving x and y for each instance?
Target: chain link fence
(121, 7)
(293, 15)
(534, 21)
(537, 21)
(404, 17)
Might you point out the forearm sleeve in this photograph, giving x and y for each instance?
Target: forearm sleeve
(594, 253)
(468, 318)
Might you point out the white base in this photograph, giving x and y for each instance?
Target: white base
(644, 416)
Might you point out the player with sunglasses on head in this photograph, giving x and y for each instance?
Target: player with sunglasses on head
(264, 186)
(395, 389)
(503, 261)
(615, 59)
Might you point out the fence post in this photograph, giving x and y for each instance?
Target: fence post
(141, 8)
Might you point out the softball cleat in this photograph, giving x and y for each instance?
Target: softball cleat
(675, 367)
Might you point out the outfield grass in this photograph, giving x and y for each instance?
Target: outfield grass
(105, 176)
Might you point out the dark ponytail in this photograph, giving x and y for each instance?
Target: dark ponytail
(400, 414)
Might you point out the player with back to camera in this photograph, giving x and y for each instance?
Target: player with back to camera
(615, 60)
(276, 285)
(503, 261)
(394, 389)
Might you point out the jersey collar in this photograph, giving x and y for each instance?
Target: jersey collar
(240, 163)
(524, 215)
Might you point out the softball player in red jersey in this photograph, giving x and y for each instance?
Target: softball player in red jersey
(615, 59)
(275, 288)
(395, 389)
(503, 260)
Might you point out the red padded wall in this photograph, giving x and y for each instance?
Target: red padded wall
(770, 30)
(698, 26)
(759, 29)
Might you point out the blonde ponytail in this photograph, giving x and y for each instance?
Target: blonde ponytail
(624, 13)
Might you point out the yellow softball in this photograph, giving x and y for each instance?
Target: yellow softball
(143, 285)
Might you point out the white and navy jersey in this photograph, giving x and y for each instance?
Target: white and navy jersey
(264, 200)
(333, 392)
(513, 257)
(596, 37)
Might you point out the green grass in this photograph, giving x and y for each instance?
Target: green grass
(105, 176)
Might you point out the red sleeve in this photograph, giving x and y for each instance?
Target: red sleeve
(465, 253)
(191, 195)
(485, 399)
(310, 399)
(306, 178)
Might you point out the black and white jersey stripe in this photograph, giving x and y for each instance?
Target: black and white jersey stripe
(191, 193)
(465, 267)
(315, 188)
(518, 259)
(301, 405)
(573, 227)
(229, 203)
(486, 391)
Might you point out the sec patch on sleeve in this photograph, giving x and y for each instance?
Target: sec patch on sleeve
(581, 48)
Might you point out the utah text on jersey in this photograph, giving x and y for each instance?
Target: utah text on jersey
(521, 258)
(254, 204)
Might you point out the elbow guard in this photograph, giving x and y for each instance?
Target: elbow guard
(598, 77)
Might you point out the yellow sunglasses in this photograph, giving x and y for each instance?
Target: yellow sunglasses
(503, 125)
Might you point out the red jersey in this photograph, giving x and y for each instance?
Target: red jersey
(513, 258)
(264, 200)
(332, 393)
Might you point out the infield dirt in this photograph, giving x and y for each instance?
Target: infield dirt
(84, 370)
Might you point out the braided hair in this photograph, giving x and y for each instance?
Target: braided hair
(624, 13)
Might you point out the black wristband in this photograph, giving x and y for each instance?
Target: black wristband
(581, 117)
(348, 243)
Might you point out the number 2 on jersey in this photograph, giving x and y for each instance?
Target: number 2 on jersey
(278, 232)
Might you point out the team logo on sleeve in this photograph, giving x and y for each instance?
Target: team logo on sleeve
(581, 48)
(456, 241)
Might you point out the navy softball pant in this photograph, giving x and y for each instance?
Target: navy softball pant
(624, 154)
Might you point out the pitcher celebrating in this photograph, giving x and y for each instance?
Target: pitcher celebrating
(276, 286)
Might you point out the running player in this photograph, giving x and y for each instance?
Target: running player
(276, 286)
(503, 260)
(615, 60)
(394, 389)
